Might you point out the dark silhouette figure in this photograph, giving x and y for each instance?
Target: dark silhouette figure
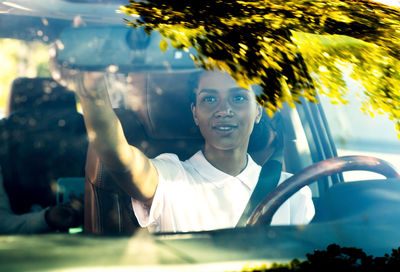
(42, 139)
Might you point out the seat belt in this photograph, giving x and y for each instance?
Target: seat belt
(267, 182)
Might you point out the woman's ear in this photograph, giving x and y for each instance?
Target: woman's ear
(193, 107)
(259, 113)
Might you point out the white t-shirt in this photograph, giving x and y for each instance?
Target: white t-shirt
(193, 195)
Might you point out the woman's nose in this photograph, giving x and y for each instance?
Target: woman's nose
(224, 109)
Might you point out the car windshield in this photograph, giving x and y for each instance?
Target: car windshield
(114, 139)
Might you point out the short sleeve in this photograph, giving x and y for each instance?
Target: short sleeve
(302, 207)
(298, 209)
(167, 166)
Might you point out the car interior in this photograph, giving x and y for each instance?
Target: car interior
(163, 123)
(153, 106)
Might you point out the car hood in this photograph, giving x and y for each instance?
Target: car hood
(220, 250)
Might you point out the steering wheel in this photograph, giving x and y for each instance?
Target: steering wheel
(263, 213)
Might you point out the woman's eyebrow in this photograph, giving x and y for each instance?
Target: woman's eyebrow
(231, 90)
(238, 89)
(208, 91)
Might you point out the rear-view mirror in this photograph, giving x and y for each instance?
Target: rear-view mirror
(121, 47)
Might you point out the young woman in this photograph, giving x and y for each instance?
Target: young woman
(208, 191)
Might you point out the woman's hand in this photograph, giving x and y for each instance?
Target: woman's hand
(88, 85)
(91, 85)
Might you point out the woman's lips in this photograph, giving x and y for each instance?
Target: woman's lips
(224, 127)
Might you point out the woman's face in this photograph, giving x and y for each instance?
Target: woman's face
(224, 112)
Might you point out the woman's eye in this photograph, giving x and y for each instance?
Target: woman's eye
(239, 98)
(208, 99)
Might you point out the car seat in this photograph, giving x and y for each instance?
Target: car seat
(43, 138)
(147, 125)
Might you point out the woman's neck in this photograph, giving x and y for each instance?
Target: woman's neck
(231, 162)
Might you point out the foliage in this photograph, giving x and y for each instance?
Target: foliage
(332, 59)
(337, 258)
(20, 58)
(269, 43)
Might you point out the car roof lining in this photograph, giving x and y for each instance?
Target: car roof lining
(93, 11)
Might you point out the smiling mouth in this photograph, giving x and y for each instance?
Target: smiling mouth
(224, 127)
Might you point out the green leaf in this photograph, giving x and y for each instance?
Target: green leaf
(163, 45)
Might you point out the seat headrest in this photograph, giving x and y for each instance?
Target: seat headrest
(162, 102)
(28, 93)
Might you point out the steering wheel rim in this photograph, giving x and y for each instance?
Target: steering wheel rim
(264, 212)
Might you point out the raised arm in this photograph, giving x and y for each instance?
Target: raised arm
(137, 175)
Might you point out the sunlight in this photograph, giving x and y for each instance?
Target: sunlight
(13, 5)
(394, 3)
